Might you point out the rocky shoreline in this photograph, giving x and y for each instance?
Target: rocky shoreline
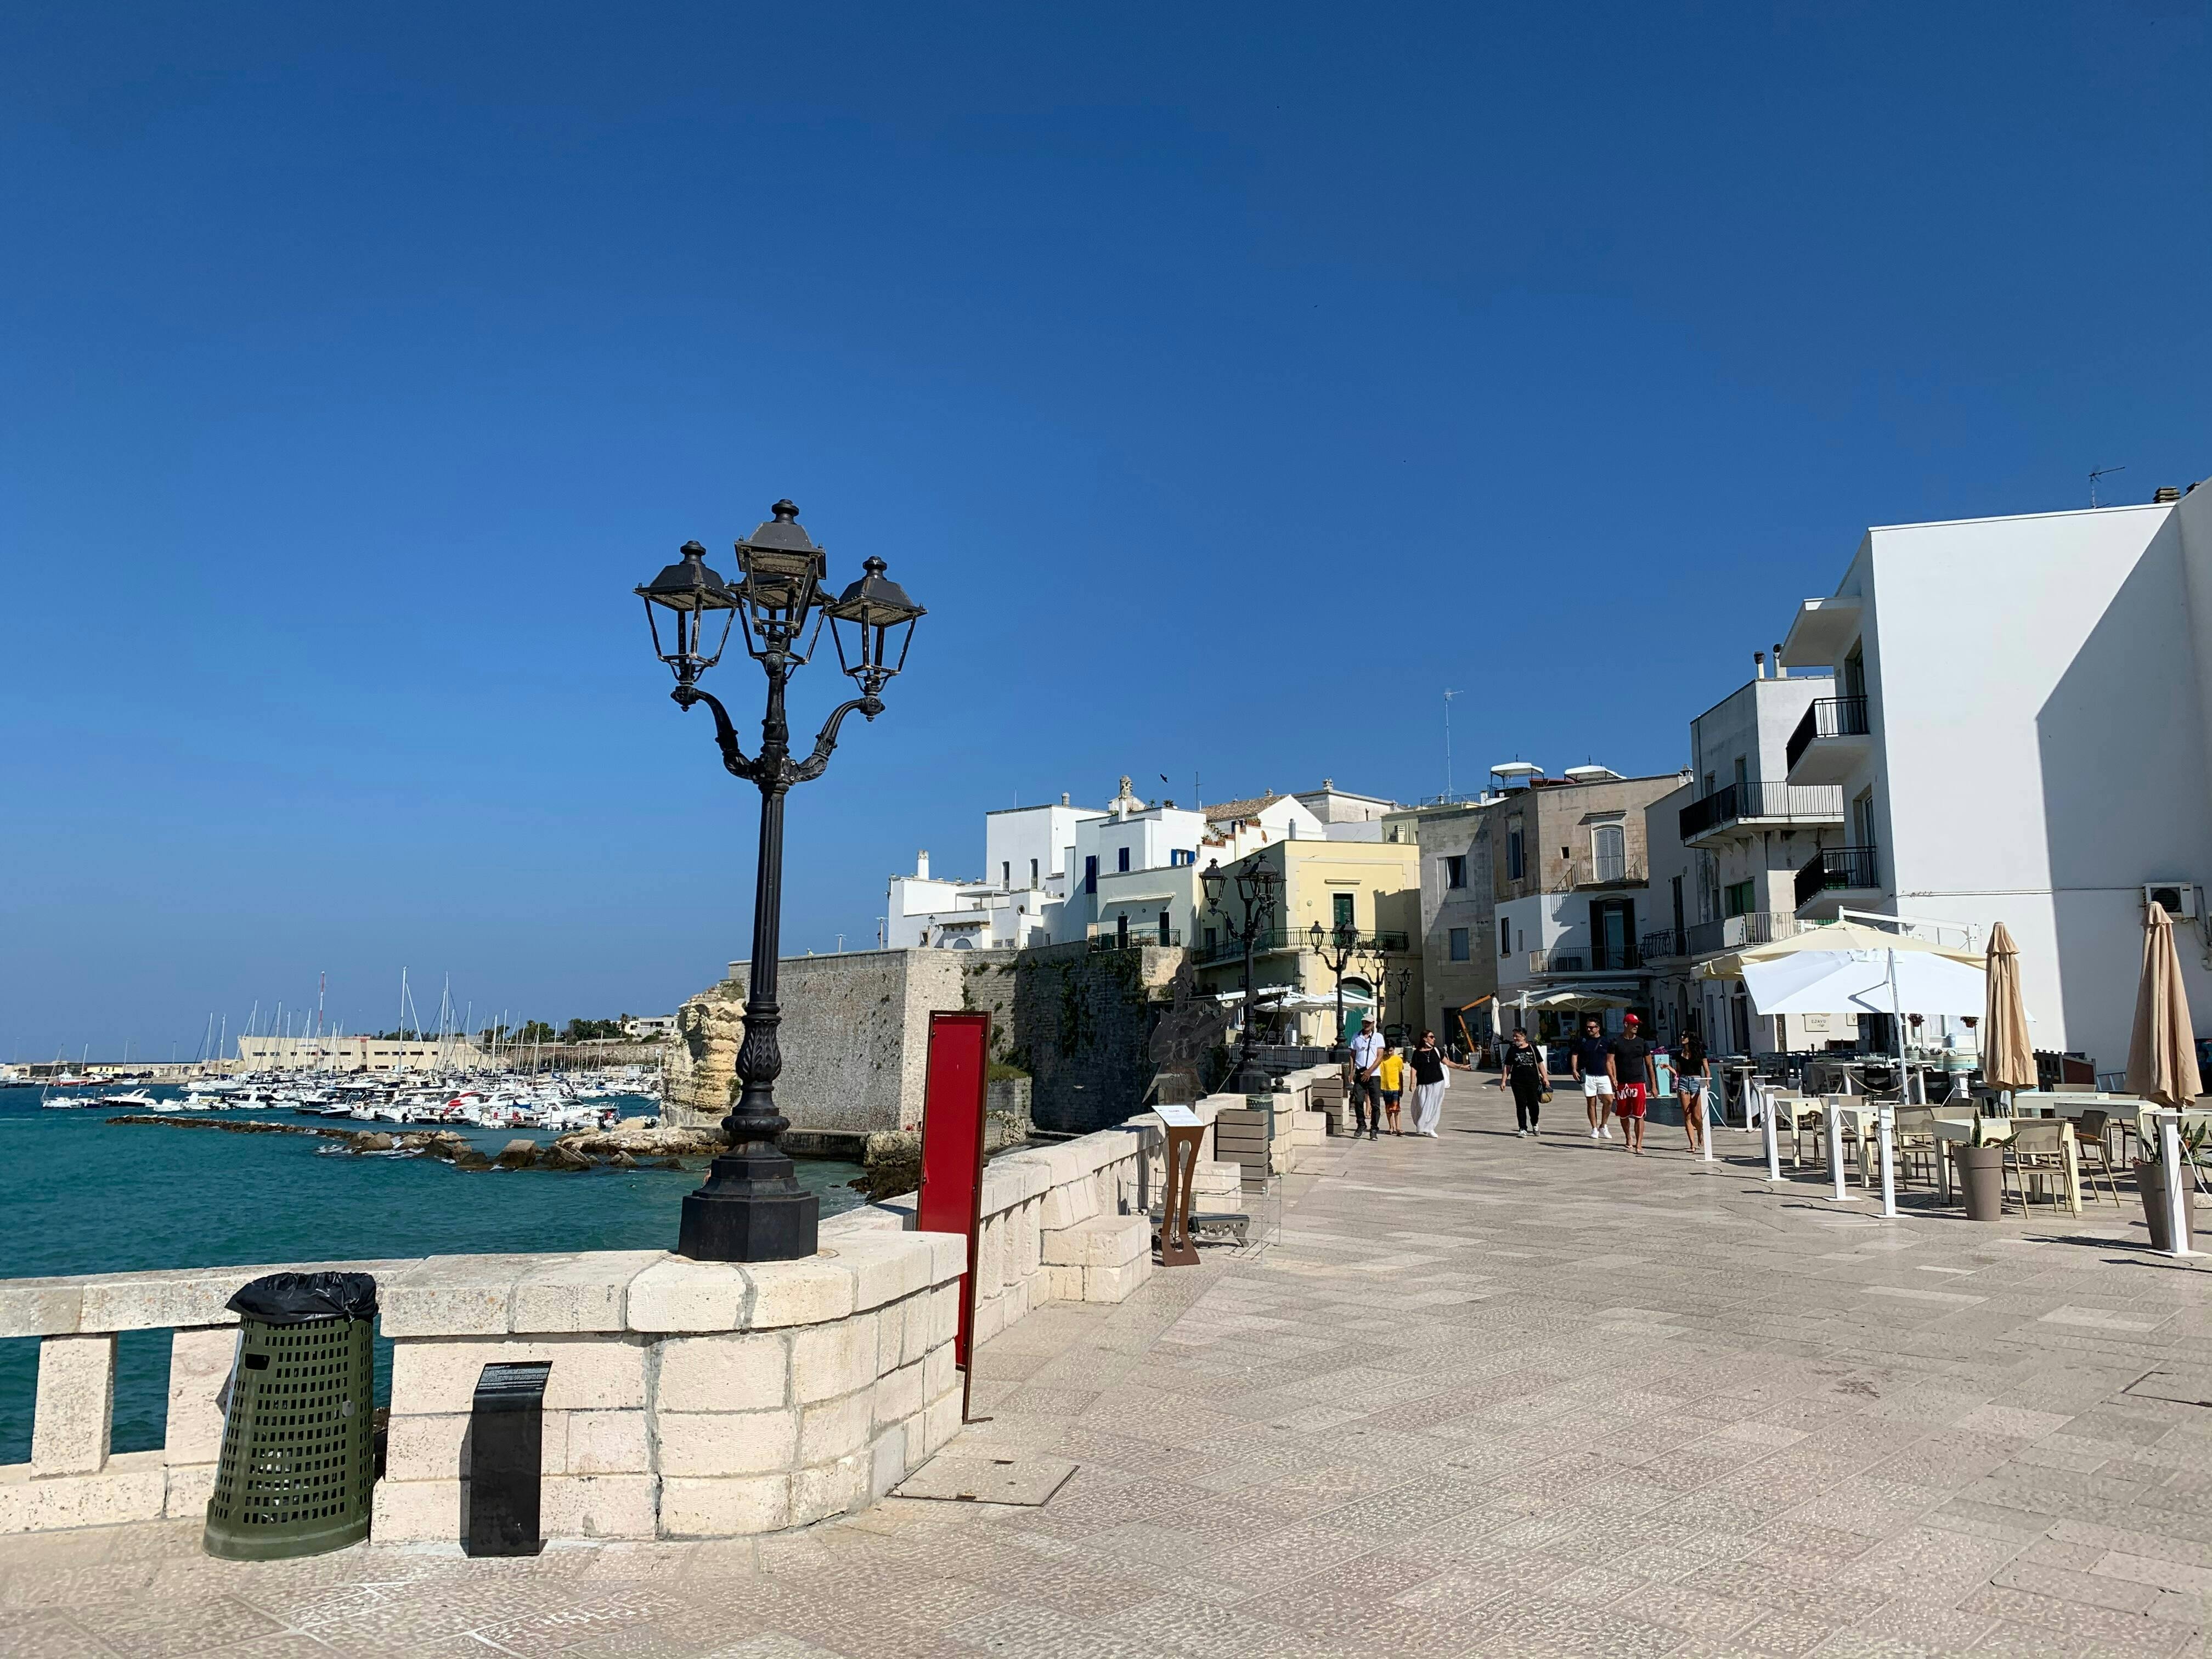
(628, 1145)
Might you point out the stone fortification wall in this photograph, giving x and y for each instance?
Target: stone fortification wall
(855, 1038)
(1081, 1023)
(856, 1033)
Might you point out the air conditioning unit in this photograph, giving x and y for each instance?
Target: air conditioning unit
(2177, 898)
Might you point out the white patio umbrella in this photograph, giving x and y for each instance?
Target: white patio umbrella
(1894, 982)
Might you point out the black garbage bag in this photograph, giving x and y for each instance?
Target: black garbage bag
(295, 1298)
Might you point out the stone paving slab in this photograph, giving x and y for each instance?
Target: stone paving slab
(1480, 1397)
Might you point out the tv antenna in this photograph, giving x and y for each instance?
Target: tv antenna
(1449, 696)
(2097, 473)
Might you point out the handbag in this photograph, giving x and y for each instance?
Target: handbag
(1545, 1098)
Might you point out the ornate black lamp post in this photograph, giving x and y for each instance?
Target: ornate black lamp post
(752, 1207)
(1337, 949)
(1401, 977)
(1256, 891)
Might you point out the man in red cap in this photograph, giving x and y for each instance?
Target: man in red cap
(1628, 1057)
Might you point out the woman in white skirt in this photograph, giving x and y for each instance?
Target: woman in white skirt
(1428, 1062)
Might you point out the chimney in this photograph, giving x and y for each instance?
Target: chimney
(2166, 493)
(1780, 672)
(1063, 797)
(1758, 665)
(922, 865)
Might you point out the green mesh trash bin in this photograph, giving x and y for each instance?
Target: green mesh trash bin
(298, 1459)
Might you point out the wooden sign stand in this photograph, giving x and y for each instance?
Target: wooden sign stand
(1186, 1135)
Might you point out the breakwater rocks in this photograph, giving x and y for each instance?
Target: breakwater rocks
(627, 1146)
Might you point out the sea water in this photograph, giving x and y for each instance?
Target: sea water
(79, 1194)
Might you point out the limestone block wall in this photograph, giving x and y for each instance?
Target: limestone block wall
(686, 1398)
(855, 1038)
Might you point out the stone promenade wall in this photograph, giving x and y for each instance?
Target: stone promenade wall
(686, 1398)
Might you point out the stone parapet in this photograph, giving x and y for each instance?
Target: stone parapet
(685, 1399)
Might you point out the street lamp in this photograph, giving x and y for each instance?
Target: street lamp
(1336, 951)
(752, 1207)
(1255, 892)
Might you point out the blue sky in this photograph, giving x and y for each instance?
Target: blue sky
(1228, 381)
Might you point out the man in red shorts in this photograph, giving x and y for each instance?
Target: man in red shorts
(1628, 1061)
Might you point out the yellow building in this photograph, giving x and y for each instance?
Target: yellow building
(1370, 888)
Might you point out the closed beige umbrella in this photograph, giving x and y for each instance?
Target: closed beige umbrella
(2008, 1059)
(2162, 1055)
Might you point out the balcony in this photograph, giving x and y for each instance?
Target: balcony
(1760, 805)
(1667, 942)
(1134, 936)
(1586, 959)
(1734, 932)
(1588, 870)
(1831, 872)
(1830, 742)
(1286, 938)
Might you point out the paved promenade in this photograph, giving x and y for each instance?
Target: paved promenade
(1480, 1397)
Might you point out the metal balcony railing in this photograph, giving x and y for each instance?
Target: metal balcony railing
(1819, 803)
(1667, 942)
(1588, 870)
(1828, 717)
(1834, 867)
(1734, 932)
(1585, 959)
(1126, 933)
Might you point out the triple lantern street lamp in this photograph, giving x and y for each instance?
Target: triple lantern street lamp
(1257, 893)
(752, 1207)
(1338, 949)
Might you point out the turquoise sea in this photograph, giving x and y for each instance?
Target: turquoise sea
(81, 1195)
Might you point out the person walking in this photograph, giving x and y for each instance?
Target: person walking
(1391, 1074)
(1693, 1082)
(1521, 1069)
(1366, 1087)
(1592, 1064)
(1628, 1060)
(1428, 1062)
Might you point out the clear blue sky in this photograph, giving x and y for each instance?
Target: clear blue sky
(1228, 381)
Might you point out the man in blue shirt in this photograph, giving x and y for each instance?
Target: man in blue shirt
(1593, 1061)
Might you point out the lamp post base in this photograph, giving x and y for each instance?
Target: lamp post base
(749, 1211)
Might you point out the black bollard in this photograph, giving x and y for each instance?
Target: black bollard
(507, 1422)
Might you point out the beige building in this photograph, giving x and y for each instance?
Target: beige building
(1370, 886)
(1538, 887)
(359, 1054)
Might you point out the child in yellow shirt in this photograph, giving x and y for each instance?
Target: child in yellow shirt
(1390, 1073)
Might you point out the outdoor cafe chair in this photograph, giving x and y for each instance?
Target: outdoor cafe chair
(2093, 1150)
(1916, 1140)
(2038, 1150)
(1796, 1113)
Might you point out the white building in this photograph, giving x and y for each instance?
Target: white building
(2017, 732)
(1129, 870)
(360, 1054)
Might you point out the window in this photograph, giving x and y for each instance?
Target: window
(1167, 934)
(1456, 872)
(1513, 862)
(1213, 940)
(1863, 819)
(1457, 944)
(1609, 852)
(1006, 875)
(1504, 939)
(1341, 912)
(1090, 875)
(1033, 872)
(1743, 773)
(1738, 899)
(1182, 855)
(1122, 854)
(1612, 927)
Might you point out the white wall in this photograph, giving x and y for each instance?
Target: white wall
(2036, 699)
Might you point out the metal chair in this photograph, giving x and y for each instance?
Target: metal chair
(1916, 1141)
(2038, 1149)
(2093, 1152)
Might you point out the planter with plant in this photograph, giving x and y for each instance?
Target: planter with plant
(1980, 1166)
(2150, 1185)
